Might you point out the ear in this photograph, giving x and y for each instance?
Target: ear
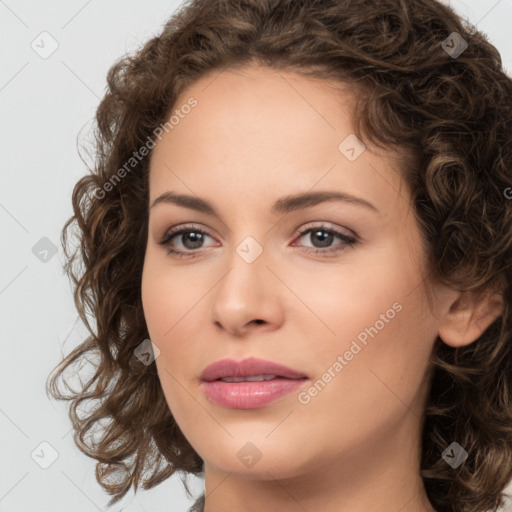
(468, 316)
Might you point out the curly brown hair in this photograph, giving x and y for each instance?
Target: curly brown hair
(453, 116)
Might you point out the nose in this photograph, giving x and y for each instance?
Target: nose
(249, 297)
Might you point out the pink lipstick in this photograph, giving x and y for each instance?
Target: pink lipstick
(249, 383)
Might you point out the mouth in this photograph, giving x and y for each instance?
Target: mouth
(255, 378)
(249, 370)
(250, 383)
(250, 394)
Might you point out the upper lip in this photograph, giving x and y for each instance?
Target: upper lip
(247, 368)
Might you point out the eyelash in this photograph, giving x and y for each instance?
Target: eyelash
(172, 233)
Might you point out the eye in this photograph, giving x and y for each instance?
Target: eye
(192, 239)
(323, 236)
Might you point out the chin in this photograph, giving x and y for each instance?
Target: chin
(249, 456)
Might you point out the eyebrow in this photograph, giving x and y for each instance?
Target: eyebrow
(283, 205)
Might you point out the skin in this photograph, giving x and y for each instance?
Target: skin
(255, 136)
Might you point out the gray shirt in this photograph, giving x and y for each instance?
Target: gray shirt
(198, 506)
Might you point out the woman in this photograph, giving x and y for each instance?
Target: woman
(296, 246)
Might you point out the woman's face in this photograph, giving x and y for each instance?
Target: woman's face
(352, 317)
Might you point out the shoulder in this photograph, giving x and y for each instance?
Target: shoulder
(198, 506)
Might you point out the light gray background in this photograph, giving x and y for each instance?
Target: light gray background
(44, 103)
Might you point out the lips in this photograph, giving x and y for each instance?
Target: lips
(250, 367)
(249, 384)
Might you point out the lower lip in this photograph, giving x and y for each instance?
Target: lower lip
(249, 395)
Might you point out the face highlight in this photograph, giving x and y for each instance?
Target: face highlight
(331, 285)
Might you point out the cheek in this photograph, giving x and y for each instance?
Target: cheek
(384, 340)
(167, 297)
(375, 391)
(155, 302)
(172, 304)
(165, 312)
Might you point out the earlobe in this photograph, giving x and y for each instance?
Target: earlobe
(468, 317)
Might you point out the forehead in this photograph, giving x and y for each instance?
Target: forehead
(257, 130)
(265, 101)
